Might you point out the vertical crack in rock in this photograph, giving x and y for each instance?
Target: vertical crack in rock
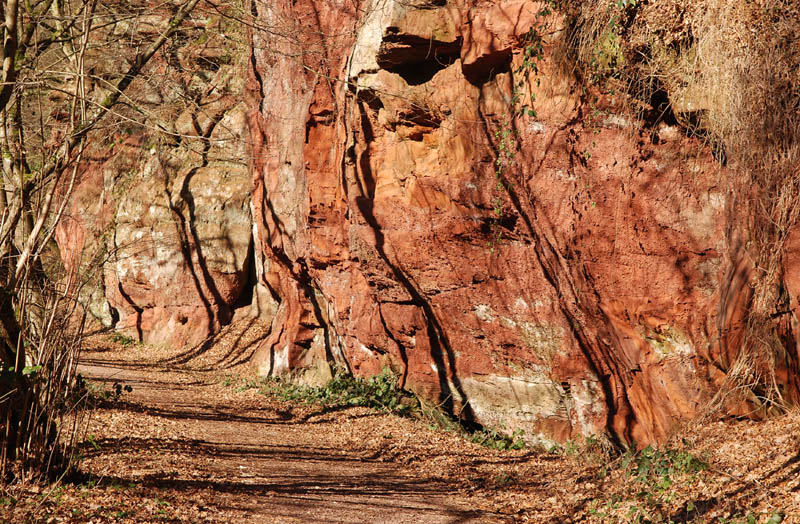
(585, 317)
(442, 352)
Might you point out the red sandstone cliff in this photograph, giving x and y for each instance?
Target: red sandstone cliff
(583, 268)
(158, 237)
(569, 273)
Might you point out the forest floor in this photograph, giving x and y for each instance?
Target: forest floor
(197, 440)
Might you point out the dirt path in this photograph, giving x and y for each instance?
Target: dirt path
(195, 441)
(205, 448)
(256, 464)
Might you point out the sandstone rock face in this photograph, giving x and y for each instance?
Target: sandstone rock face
(180, 248)
(542, 263)
(160, 219)
(561, 273)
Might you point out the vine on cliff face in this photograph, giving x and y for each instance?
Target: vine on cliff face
(521, 104)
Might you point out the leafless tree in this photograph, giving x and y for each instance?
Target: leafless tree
(49, 107)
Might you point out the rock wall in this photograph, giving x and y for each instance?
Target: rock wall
(158, 240)
(420, 185)
(566, 272)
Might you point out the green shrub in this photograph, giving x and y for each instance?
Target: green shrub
(121, 339)
(98, 393)
(495, 438)
(752, 518)
(650, 496)
(380, 392)
(655, 468)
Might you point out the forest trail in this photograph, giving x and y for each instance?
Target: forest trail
(197, 440)
(219, 454)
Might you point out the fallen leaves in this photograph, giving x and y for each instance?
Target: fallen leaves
(188, 445)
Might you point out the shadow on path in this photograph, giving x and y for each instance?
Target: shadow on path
(262, 463)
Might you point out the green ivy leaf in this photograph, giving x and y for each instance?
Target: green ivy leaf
(30, 370)
(776, 518)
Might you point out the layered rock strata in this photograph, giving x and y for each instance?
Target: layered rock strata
(559, 271)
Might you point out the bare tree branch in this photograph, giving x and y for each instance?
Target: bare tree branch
(10, 44)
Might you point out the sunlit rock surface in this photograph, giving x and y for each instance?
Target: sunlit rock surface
(600, 293)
